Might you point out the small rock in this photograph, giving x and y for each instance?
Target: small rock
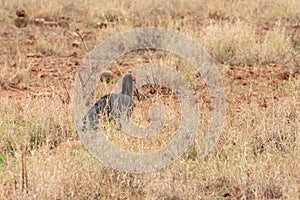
(107, 75)
(73, 54)
(278, 67)
(101, 25)
(51, 23)
(55, 74)
(255, 71)
(35, 68)
(297, 25)
(22, 19)
(35, 55)
(75, 43)
(77, 62)
(39, 21)
(31, 37)
(41, 74)
(20, 12)
(266, 71)
(243, 82)
(238, 74)
(284, 75)
(274, 82)
(63, 24)
(265, 27)
(29, 42)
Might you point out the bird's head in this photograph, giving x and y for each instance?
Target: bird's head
(135, 88)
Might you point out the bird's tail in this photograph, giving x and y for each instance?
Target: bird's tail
(93, 114)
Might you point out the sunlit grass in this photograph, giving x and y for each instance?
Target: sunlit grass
(257, 156)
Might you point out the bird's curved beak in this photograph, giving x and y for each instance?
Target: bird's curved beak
(136, 91)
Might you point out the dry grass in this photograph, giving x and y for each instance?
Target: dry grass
(255, 44)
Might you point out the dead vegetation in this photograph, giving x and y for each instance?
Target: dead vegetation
(256, 46)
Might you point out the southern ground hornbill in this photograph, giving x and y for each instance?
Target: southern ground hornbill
(116, 105)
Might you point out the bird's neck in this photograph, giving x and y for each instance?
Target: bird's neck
(127, 87)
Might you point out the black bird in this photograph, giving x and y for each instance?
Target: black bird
(116, 105)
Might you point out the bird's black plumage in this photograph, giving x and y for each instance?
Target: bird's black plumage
(116, 105)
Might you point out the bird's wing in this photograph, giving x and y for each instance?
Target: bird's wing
(93, 113)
